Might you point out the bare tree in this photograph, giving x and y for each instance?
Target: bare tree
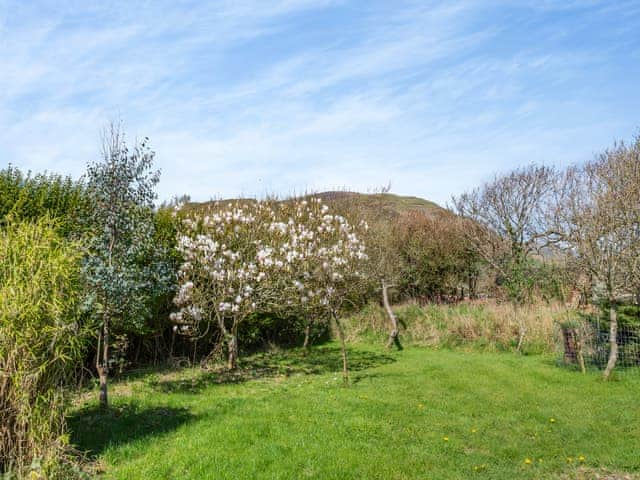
(384, 260)
(383, 264)
(507, 224)
(629, 204)
(597, 220)
(384, 269)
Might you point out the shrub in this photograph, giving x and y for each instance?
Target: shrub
(40, 343)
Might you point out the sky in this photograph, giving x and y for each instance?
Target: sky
(256, 97)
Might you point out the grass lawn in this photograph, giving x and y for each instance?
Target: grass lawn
(418, 413)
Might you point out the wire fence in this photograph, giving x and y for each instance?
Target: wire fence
(585, 346)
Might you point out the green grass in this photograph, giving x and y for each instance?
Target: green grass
(289, 417)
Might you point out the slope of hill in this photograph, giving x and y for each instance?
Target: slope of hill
(383, 204)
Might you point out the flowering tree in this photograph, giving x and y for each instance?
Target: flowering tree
(224, 273)
(291, 257)
(323, 256)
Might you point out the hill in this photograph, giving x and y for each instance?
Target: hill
(383, 204)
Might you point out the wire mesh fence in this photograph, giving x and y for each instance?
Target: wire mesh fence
(585, 345)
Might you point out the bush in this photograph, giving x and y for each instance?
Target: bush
(40, 344)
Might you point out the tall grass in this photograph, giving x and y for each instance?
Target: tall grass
(40, 342)
(486, 325)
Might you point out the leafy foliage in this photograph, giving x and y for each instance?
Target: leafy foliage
(28, 197)
(435, 257)
(41, 341)
(121, 223)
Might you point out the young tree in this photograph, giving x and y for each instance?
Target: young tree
(383, 267)
(121, 187)
(507, 225)
(597, 220)
(319, 248)
(324, 257)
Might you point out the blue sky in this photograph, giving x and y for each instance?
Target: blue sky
(251, 97)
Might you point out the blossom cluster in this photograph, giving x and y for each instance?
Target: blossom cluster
(292, 256)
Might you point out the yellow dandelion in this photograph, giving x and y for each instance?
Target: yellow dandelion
(473, 430)
(569, 459)
(552, 420)
(581, 458)
(527, 461)
(446, 439)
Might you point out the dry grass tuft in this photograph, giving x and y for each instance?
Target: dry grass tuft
(484, 324)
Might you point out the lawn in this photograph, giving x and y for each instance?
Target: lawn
(418, 413)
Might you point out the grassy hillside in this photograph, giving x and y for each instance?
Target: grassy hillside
(417, 413)
(386, 204)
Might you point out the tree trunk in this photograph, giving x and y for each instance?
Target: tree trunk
(343, 349)
(307, 338)
(583, 367)
(570, 345)
(393, 334)
(613, 340)
(473, 282)
(522, 329)
(232, 345)
(138, 348)
(102, 365)
(156, 347)
(231, 339)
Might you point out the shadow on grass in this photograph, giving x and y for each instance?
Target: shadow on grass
(94, 429)
(319, 360)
